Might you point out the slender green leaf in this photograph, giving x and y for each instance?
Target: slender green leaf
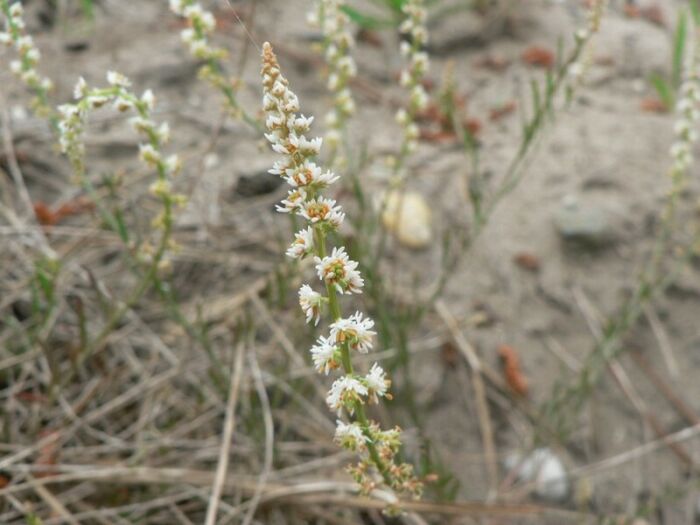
(695, 11)
(679, 49)
(366, 21)
(663, 90)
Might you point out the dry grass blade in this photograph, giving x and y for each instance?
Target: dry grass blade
(226, 436)
(269, 437)
(490, 454)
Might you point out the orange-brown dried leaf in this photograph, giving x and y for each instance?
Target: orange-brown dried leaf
(369, 37)
(653, 105)
(439, 136)
(527, 261)
(631, 11)
(449, 354)
(44, 215)
(538, 56)
(74, 207)
(492, 62)
(48, 217)
(654, 15)
(498, 112)
(30, 397)
(472, 125)
(48, 454)
(512, 372)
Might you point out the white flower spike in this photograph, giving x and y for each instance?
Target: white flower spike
(286, 130)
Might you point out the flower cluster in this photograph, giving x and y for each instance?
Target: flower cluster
(415, 36)
(200, 24)
(595, 14)
(28, 56)
(286, 132)
(338, 43)
(688, 115)
(578, 67)
(154, 136)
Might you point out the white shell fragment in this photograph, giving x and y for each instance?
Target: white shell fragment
(545, 470)
(406, 215)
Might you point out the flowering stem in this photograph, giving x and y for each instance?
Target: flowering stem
(29, 57)
(334, 308)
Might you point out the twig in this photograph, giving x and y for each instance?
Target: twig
(674, 399)
(593, 319)
(55, 505)
(635, 453)
(18, 179)
(662, 338)
(269, 436)
(227, 436)
(482, 407)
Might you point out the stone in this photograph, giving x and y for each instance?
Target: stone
(545, 470)
(584, 224)
(406, 215)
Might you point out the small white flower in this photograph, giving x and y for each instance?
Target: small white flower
(173, 165)
(402, 117)
(149, 99)
(33, 55)
(350, 436)
(163, 133)
(354, 331)
(177, 6)
(200, 49)
(280, 167)
(347, 66)
(188, 35)
(5, 38)
(117, 79)
(377, 383)
(322, 210)
(193, 11)
(344, 393)
(303, 244)
(123, 104)
(333, 83)
(68, 111)
(24, 43)
(295, 200)
(207, 21)
(309, 174)
(301, 124)
(142, 125)
(16, 10)
(339, 271)
(97, 101)
(160, 188)
(307, 147)
(149, 154)
(310, 302)
(30, 77)
(325, 355)
(81, 89)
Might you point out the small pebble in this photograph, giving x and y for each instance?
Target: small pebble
(408, 217)
(543, 468)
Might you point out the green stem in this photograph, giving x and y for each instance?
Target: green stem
(361, 415)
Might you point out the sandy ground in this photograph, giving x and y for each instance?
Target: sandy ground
(602, 153)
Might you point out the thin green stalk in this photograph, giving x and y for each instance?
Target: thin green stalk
(346, 361)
